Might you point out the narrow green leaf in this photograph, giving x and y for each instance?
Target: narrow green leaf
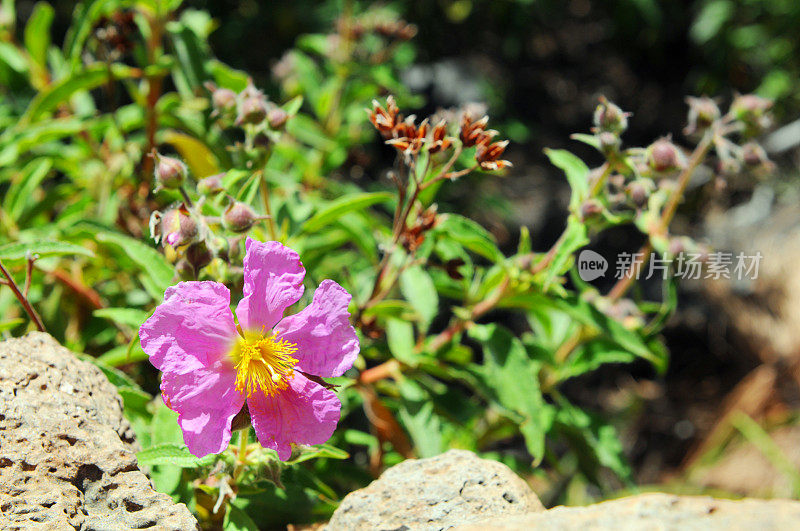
(37, 32)
(343, 205)
(400, 337)
(418, 289)
(126, 316)
(18, 250)
(576, 171)
(147, 258)
(167, 454)
(471, 235)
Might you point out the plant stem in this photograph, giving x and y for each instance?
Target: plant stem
(21, 298)
(273, 230)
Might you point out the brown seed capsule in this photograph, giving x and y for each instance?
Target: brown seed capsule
(239, 217)
(488, 156)
(472, 132)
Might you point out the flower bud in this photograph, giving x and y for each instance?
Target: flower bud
(591, 208)
(210, 185)
(252, 110)
(610, 118)
(277, 118)
(224, 100)
(663, 156)
(178, 227)
(639, 193)
(198, 255)
(239, 217)
(609, 142)
(753, 112)
(702, 113)
(754, 156)
(169, 171)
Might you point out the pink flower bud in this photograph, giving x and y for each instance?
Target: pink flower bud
(239, 217)
(224, 100)
(253, 110)
(277, 118)
(178, 227)
(610, 118)
(169, 172)
(210, 185)
(663, 156)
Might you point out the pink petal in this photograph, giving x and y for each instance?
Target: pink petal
(188, 338)
(206, 401)
(192, 328)
(327, 344)
(273, 281)
(303, 413)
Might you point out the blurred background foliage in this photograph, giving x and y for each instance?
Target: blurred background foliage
(78, 121)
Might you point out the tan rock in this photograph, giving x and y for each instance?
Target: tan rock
(67, 454)
(656, 512)
(436, 493)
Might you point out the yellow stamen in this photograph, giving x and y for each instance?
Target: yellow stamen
(263, 362)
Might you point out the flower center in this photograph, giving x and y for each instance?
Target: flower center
(263, 362)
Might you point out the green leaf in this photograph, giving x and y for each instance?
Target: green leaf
(577, 174)
(167, 454)
(513, 379)
(575, 236)
(123, 355)
(318, 452)
(418, 416)
(61, 90)
(343, 205)
(19, 250)
(418, 289)
(238, 520)
(400, 337)
(23, 187)
(471, 235)
(11, 323)
(37, 32)
(126, 316)
(147, 258)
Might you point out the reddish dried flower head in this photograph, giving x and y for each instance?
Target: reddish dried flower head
(409, 138)
(412, 237)
(473, 133)
(488, 155)
(439, 139)
(385, 120)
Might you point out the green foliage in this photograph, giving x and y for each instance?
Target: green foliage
(85, 223)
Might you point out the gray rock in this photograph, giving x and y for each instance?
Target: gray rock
(436, 493)
(665, 512)
(67, 454)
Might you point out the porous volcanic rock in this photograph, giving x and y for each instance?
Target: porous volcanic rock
(436, 493)
(67, 454)
(665, 512)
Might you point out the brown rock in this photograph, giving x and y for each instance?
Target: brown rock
(436, 493)
(656, 511)
(67, 454)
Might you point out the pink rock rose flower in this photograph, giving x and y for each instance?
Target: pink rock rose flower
(210, 368)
